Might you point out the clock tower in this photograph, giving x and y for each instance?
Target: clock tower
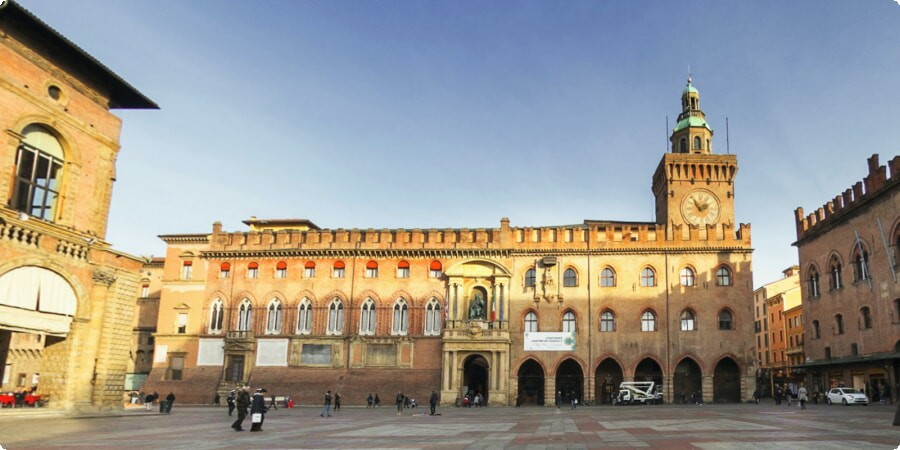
(692, 185)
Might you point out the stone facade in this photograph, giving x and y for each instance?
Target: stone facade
(60, 280)
(299, 309)
(849, 251)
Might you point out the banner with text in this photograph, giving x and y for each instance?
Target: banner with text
(559, 341)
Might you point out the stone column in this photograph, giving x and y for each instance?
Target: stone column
(707, 388)
(85, 377)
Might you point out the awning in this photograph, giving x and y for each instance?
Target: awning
(851, 360)
(29, 321)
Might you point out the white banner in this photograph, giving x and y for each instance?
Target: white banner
(211, 352)
(271, 352)
(558, 341)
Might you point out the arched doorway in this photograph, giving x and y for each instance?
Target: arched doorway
(687, 380)
(727, 382)
(607, 379)
(475, 376)
(648, 370)
(531, 383)
(570, 381)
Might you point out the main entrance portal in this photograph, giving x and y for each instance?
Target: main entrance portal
(475, 376)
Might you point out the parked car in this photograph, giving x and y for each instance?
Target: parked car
(846, 396)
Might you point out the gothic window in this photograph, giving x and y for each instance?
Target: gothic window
(648, 277)
(335, 317)
(225, 270)
(726, 320)
(648, 321)
(838, 324)
(400, 324)
(403, 269)
(245, 315)
(281, 270)
(607, 277)
(273, 317)
(568, 322)
(812, 282)
(531, 322)
(570, 279)
(687, 321)
(338, 270)
(529, 278)
(607, 321)
(371, 269)
(309, 269)
(865, 317)
(687, 277)
(39, 168)
(836, 268)
(861, 265)
(723, 276)
(304, 317)
(253, 270)
(435, 270)
(433, 318)
(367, 318)
(216, 314)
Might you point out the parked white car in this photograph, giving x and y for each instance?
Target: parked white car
(846, 396)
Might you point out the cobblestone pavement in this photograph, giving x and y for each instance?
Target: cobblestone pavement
(710, 427)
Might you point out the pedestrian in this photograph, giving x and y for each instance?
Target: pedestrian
(148, 402)
(258, 410)
(778, 394)
(399, 400)
(801, 395)
(337, 401)
(273, 404)
(558, 399)
(370, 401)
(756, 395)
(170, 399)
(377, 400)
(232, 396)
(326, 409)
(242, 403)
(432, 402)
(217, 399)
(683, 397)
(789, 392)
(574, 401)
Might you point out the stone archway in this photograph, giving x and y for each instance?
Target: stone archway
(475, 376)
(607, 379)
(570, 381)
(727, 382)
(648, 370)
(688, 379)
(531, 384)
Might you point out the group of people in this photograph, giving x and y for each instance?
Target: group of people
(256, 405)
(373, 402)
(165, 406)
(469, 400)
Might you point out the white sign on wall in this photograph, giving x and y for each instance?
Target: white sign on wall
(271, 352)
(161, 353)
(557, 341)
(211, 352)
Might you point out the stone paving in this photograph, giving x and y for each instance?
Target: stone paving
(710, 427)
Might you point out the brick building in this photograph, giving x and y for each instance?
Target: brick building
(851, 296)
(65, 294)
(770, 303)
(514, 313)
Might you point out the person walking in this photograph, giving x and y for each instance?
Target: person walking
(789, 392)
(432, 402)
(148, 401)
(326, 409)
(370, 401)
(399, 401)
(377, 401)
(242, 403)
(217, 399)
(801, 395)
(258, 410)
(337, 401)
(170, 399)
(273, 404)
(232, 396)
(756, 395)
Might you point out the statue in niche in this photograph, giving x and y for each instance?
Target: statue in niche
(476, 309)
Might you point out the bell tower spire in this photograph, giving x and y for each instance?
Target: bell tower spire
(691, 134)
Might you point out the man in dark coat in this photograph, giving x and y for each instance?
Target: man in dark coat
(432, 402)
(169, 400)
(399, 401)
(258, 406)
(242, 402)
(232, 397)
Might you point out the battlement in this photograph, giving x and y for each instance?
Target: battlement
(878, 180)
(591, 235)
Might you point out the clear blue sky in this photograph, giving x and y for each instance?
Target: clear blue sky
(436, 114)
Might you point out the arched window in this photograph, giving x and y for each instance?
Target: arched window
(570, 279)
(531, 322)
(273, 317)
(568, 322)
(39, 168)
(607, 277)
(648, 321)
(435, 270)
(812, 282)
(838, 324)
(865, 317)
(309, 269)
(682, 147)
(607, 321)
(815, 331)
(687, 276)
(648, 277)
(861, 265)
(216, 315)
(367, 318)
(433, 318)
(529, 278)
(403, 269)
(836, 268)
(304, 317)
(335, 317)
(281, 270)
(726, 321)
(225, 270)
(338, 270)
(245, 315)
(400, 324)
(687, 321)
(723, 276)
(698, 144)
(371, 269)
(253, 270)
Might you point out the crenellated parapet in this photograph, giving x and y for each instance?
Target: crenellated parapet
(851, 200)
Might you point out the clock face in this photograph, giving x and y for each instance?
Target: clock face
(700, 208)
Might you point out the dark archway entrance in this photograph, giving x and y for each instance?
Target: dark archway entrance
(475, 376)
(531, 383)
(570, 381)
(607, 379)
(688, 380)
(649, 370)
(727, 382)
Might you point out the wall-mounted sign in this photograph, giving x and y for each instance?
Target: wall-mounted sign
(559, 341)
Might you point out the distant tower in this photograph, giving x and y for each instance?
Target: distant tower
(691, 134)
